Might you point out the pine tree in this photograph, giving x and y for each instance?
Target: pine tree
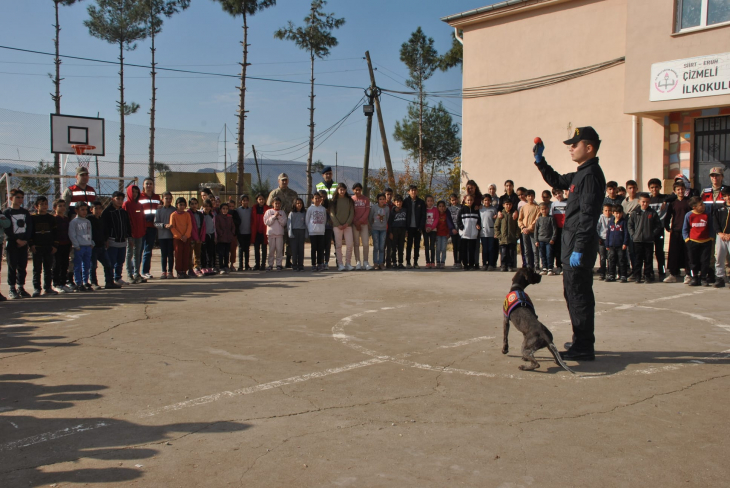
(244, 8)
(57, 79)
(156, 9)
(315, 36)
(454, 56)
(119, 22)
(421, 58)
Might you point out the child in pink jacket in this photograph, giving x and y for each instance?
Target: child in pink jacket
(275, 221)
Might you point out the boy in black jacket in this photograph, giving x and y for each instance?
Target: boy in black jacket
(617, 243)
(98, 252)
(673, 223)
(721, 225)
(117, 229)
(644, 227)
(416, 224)
(43, 245)
(19, 233)
(398, 224)
(659, 202)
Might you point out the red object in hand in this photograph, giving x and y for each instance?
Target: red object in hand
(538, 140)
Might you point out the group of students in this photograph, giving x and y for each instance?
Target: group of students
(198, 240)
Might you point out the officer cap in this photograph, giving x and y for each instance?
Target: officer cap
(283, 176)
(82, 171)
(327, 169)
(718, 170)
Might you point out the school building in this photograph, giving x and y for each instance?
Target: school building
(651, 76)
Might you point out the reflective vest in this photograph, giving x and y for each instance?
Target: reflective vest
(330, 191)
(515, 299)
(79, 195)
(709, 201)
(149, 205)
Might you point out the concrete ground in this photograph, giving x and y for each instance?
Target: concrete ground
(390, 378)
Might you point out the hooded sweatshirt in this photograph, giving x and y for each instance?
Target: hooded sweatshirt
(79, 231)
(162, 217)
(316, 219)
(136, 213)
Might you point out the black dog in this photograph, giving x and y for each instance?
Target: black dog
(519, 309)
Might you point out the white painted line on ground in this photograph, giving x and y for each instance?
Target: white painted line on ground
(466, 342)
(253, 389)
(49, 436)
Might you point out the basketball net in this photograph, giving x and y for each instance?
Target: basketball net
(82, 158)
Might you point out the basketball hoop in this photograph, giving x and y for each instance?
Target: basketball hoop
(81, 157)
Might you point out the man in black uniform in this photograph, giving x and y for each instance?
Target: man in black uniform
(587, 187)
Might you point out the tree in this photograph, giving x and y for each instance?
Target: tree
(315, 36)
(120, 22)
(156, 9)
(454, 56)
(57, 79)
(160, 168)
(34, 186)
(244, 8)
(430, 132)
(317, 166)
(421, 58)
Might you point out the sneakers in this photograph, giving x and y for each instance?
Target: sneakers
(90, 287)
(163, 276)
(147, 276)
(610, 279)
(341, 267)
(112, 286)
(279, 268)
(544, 272)
(138, 279)
(400, 266)
(624, 279)
(269, 268)
(120, 282)
(95, 286)
(408, 265)
(50, 291)
(13, 294)
(719, 283)
(504, 269)
(670, 279)
(358, 266)
(37, 293)
(23, 293)
(415, 265)
(687, 279)
(349, 267)
(456, 266)
(367, 266)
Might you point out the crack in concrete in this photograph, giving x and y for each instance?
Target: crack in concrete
(617, 407)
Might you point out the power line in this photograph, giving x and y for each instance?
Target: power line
(181, 70)
(411, 101)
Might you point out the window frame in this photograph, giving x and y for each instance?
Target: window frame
(676, 28)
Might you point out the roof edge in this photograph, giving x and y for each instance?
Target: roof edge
(501, 9)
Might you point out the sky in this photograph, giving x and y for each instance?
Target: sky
(204, 38)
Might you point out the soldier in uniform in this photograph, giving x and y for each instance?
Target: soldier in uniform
(587, 187)
(287, 196)
(712, 198)
(328, 184)
(79, 192)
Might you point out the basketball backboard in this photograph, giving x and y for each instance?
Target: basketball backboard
(67, 130)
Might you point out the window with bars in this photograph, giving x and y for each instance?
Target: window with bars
(694, 14)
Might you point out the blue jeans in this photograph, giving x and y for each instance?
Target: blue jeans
(82, 265)
(527, 246)
(116, 258)
(546, 254)
(149, 244)
(378, 245)
(99, 255)
(490, 247)
(167, 253)
(134, 256)
(441, 243)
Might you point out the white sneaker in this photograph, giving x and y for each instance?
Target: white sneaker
(670, 279)
(367, 266)
(147, 276)
(687, 279)
(357, 266)
(349, 267)
(341, 268)
(68, 289)
(121, 282)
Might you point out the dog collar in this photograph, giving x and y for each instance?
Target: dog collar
(515, 299)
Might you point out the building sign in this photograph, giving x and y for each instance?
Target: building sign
(703, 76)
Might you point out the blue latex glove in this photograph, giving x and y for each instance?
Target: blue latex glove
(575, 259)
(537, 150)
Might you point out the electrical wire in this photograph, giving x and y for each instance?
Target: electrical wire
(258, 78)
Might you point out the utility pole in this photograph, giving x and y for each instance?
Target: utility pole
(335, 166)
(225, 156)
(386, 152)
(368, 111)
(256, 160)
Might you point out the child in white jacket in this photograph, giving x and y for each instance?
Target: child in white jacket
(275, 220)
(316, 220)
(79, 232)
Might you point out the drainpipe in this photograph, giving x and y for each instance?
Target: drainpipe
(635, 148)
(461, 156)
(456, 34)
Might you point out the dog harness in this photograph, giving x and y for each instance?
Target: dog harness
(515, 299)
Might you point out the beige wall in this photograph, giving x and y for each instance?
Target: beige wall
(649, 40)
(498, 131)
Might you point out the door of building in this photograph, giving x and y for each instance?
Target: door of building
(712, 148)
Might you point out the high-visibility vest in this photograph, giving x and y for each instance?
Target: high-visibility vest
(708, 199)
(330, 191)
(149, 205)
(79, 195)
